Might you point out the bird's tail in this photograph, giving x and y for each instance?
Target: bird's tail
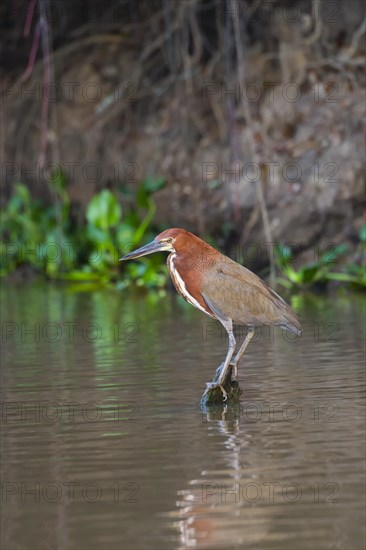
(291, 322)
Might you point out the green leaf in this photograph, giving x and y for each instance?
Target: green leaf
(333, 254)
(359, 270)
(78, 275)
(284, 282)
(140, 231)
(14, 205)
(151, 184)
(97, 235)
(104, 211)
(294, 276)
(362, 233)
(23, 193)
(125, 234)
(283, 253)
(310, 274)
(359, 280)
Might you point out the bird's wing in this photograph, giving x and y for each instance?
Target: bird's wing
(245, 298)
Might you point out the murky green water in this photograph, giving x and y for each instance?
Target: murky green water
(104, 445)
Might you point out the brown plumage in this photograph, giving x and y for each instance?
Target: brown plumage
(237, 291)
(221, 288)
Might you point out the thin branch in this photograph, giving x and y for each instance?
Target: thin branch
(32, 56)
(251, 140)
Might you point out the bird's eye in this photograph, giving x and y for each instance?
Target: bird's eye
(169, 240)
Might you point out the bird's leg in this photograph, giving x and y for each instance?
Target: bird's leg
(223, 370)
(242, 349)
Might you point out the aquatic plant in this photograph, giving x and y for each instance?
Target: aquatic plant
(47, 238)
(322, 271)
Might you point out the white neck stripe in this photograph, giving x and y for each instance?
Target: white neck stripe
(182, 286)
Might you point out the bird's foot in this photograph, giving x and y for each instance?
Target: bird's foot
(233, 375)
(213, 385)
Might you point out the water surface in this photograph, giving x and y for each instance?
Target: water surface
(104, 444)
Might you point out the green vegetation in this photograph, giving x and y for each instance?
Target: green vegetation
(49, 239)
(322, 271)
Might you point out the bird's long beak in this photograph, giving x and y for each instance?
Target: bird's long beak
(150, 248)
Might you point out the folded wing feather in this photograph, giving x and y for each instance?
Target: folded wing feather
(245, 298)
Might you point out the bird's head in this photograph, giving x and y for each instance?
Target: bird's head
(171, 240)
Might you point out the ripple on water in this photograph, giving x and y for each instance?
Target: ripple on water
(119, 419)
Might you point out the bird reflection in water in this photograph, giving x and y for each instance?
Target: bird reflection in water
(210, 511)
